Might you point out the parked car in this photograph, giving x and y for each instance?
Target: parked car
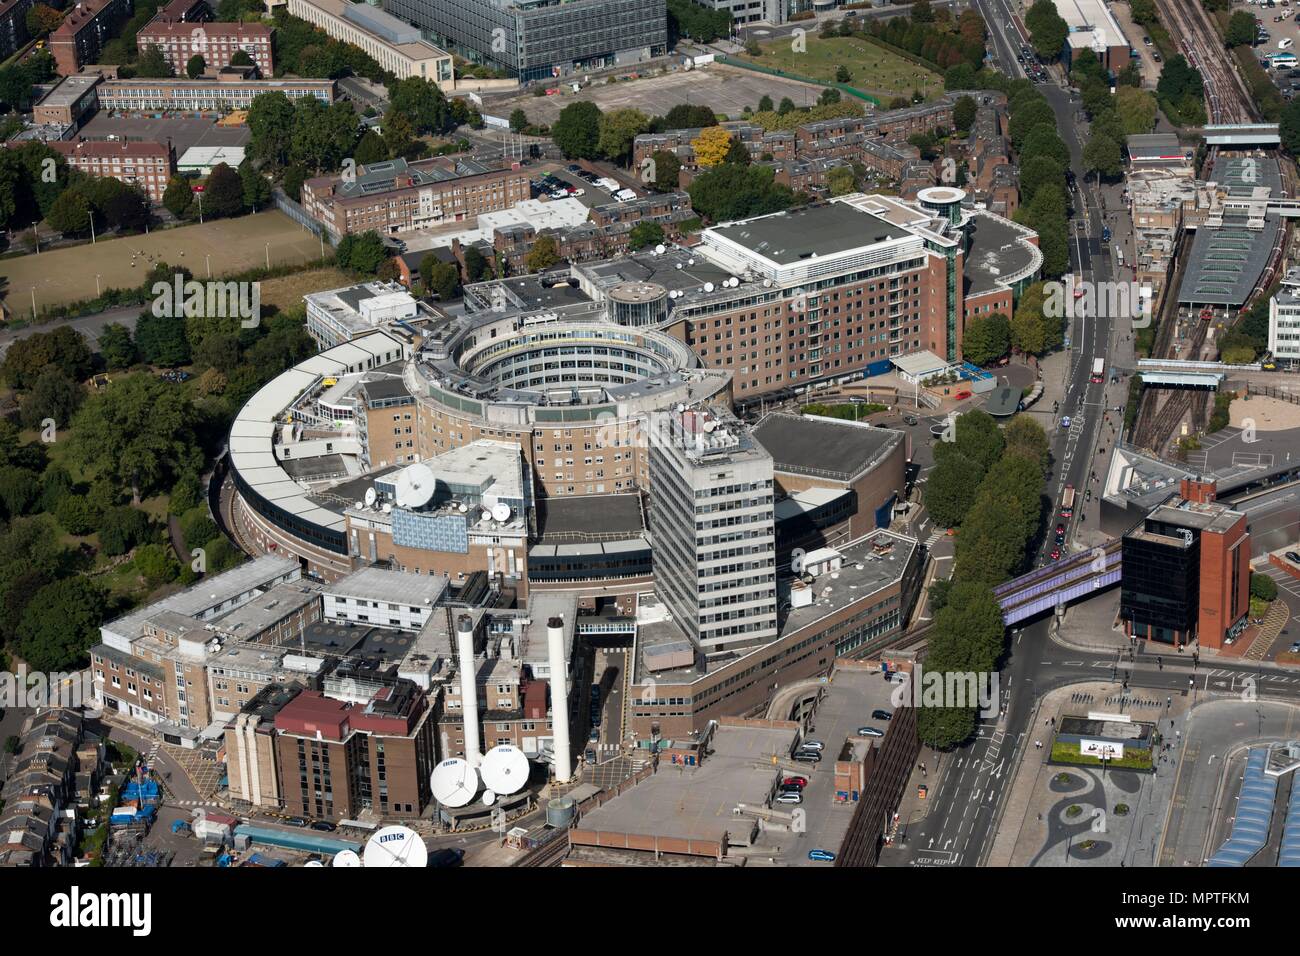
(909, 419)
(816, 745)
(296, 822)
(1293, 556)
(790, 788)
(590, 756)
(324, 826)
(1295, 647)
(881, 714)
(821, 856)
(802, 781)
(807, 756)
(870, 732)
(789, 796)
(446, 857)
(593, 737)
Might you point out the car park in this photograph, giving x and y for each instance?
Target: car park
(821, 856)
(870, 732)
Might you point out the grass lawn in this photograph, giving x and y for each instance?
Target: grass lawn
(852, 411)
(287, 291)
(1133, 759)
(872, 69)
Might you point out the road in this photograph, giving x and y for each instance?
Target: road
(971, 781)
(90, 326)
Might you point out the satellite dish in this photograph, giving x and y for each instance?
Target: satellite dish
(371, 497)
(415, 486)
(505, 769)
(501, 511)
(346, 858)
(396, 846)
(454, 782)
(660, 249)
(708, 287)
(461, 507)
(313, 863)
(489, 798)
(485, 516)
(358, 505)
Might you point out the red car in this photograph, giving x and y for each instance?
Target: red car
(962, 396)
(1056, 554)
(797, 781)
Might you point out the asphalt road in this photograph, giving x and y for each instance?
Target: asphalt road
(90, 326)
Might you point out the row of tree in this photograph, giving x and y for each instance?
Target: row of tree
(990, 482)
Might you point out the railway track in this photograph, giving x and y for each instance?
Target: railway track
(1225, 92)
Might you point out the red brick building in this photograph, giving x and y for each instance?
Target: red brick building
(81, 36)
(147, 165)
(215, 42)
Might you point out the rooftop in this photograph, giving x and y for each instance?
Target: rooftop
(831, 447)
(390, 587)
(1001, 253)
(821, 230)
(593, 517)
(70, 89)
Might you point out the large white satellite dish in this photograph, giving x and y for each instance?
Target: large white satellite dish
(489, 798)
(370, 497)
(454, 782)
(313, 863)
(415, 486)
(396, 846)
(504, 769)
(501, 511)
(346, 858)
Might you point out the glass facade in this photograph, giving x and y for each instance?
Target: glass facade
(1160, 593)
(542, 39)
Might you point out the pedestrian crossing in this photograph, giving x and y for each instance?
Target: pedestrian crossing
(931, 541)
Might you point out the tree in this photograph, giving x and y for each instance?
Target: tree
(64, 349)
(1047, 29)
(270, 126)
(1263, 587)
(442, 278)
(70, 214)
(476, 267)
(186, 494)
(223, 193)
(126, 208)
(195, 66)
(399, 134)
(1039, 170)
(666, 169)
(842, 74)
(1102, 155)
(42, 20)
(1045, 141)
(577, 130)
(689, 116)
(922, 12)
(1025, 437)
(543, 254)
(787, 106)
(986, 339)
(60, 624)
(161, 340)
(18, 490)
(1241, 29)
(154, 563)
(950, 490)
(645, 233)
(731, 191)
(241, 58)
(122, 528)
(178, 196)
(765, 104)
(256, 189)
(362, 253)
(711, 146)
(1136, 109)
(840, 181)
(77, 515)
(518, 120)
(139, 432)
(55, 396)
(617, 130)
(153, 64)
(421, 101)
(829, 95)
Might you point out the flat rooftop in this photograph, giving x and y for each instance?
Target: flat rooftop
(698, 803)
(69, 90)
(822, 230)
(273, 605)
(834, 448)
(1214, 518)
(357, 640)
(390, 587)
(594, 517)
(1000, 253)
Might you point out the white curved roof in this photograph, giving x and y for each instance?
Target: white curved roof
(251, 451)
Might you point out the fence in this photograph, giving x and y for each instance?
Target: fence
(299, 215)
(842, 87)
(1271, 391)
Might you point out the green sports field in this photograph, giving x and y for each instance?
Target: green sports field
(874, 69)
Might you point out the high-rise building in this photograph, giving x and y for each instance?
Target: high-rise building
(538, 39)
(1284, 322)
(1187, 571)
(711, 521)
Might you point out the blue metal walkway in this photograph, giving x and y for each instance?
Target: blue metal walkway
(1069, 579)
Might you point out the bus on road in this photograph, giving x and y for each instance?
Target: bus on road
(1067, 502)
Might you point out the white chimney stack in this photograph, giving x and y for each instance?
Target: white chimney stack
(559, 700)
(468, 690)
